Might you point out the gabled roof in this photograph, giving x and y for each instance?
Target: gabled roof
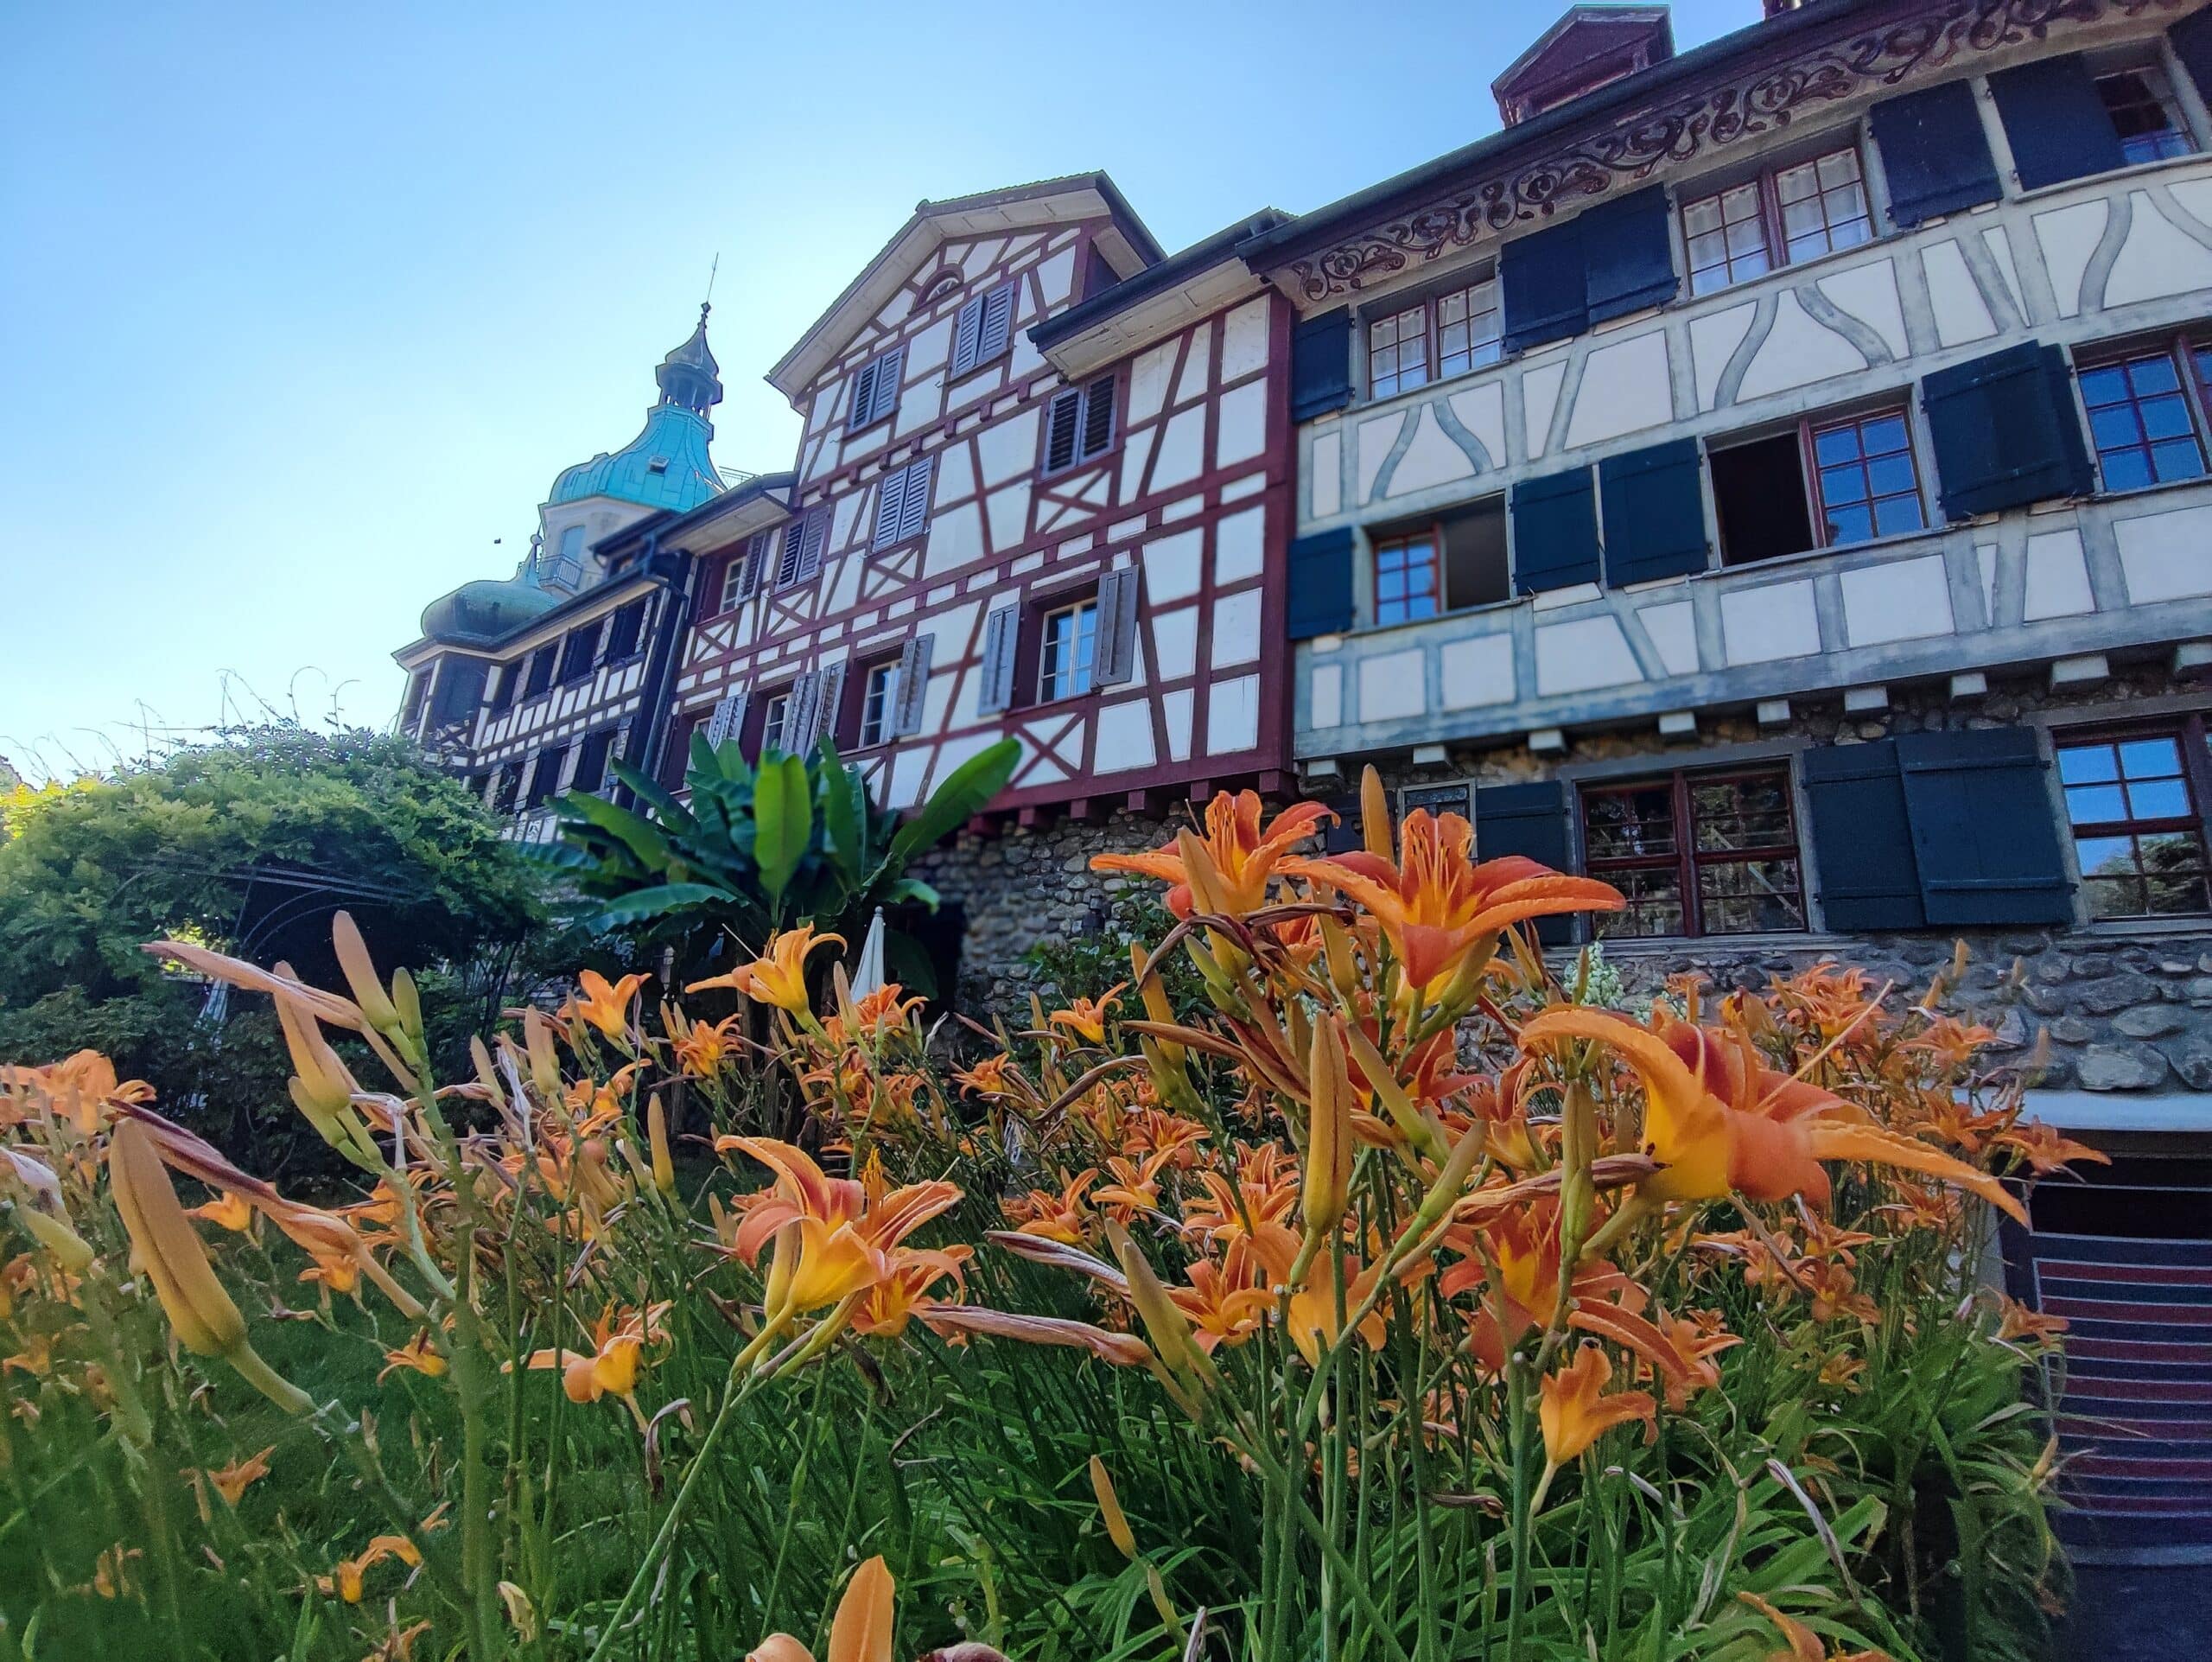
(1584, 32)
(1131, 313)
(1128, 247)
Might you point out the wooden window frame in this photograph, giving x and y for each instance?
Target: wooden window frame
(1430, 305)
(1773, 229)
(775, 712)
(1433, 534)
(2193, 737)
(1066, 606)
(1687, 859)
(2180, 347)
(1808, 434)
(2105, 67)
(862, 686)
(732, 578)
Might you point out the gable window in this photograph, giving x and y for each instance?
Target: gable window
(1825, 483)
(2136, 804)
(1782, 217)
(1069, 655)
(775, 718)
(902, 507)
(1444, 335)
(503, 691)
(418, 690)
(875, 389)
(567, 566)
(1696, 854)
(2139, 417)
(982, 328)
(2144, 115)
(1080, 424)
(878, 702)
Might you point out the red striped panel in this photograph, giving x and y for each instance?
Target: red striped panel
(2085, 1349)
(2163, 1274)
(2161, 1315)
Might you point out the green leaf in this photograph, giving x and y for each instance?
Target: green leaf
(641, 837)
(844, 817)
(641, 904)
(782, 813)
(910, 889)
(649, 792)
(964, 792)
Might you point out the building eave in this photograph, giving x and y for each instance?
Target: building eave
(1156, 303)
(763, 501)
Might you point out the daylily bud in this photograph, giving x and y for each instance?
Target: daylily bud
(162, 1237)
(1374, 815)
(361, 973)
(1578, 1148)
(1110, 1508)
(408, 1005)
(1169, 1328)
(544, 1065)
(1344, 968)
(1329, 1141)
(68, 1246)
(656, 1138)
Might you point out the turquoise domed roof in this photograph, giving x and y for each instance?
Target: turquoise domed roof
(666, 466)
(488, 608)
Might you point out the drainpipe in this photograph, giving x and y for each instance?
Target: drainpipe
(674, 575)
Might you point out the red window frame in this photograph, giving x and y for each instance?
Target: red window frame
(1685, 861)
(1810, 433)
(2191, 360)
(1432, 535)
(2189, 735)
(1478, 354)
(1772, 216)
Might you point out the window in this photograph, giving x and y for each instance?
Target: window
(1825, 483)
(773, 719)
(742, 571)
(875, 390)
(624, 630)
(902, 508)
(1070, 651)
(576, 654)
(804, 540)
(569, 564)
(1406, 579)
(1782, 217)
(505, 785)
(1696, 854)
(591, 760)
(982, 329)
(2139, 419)
(419, 689)
(1454, 333)
(544, 776)
(2144, 114)
(2136, 804)
(540, 669)
(1080, 424)
(878, 702)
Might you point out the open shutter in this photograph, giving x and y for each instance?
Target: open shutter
(914, 511)
(1320, 365)
(1554, 532)
(863, 399)
(967, 333)
(728, 717)
(798, 714)
(889, 368)
(912, 691)
(1117, 651)
(2192, 38)
(1935, 152)
(1547, 294)
(1317, 577)
(1862, 863)
(1628, 253)
(1654, 513)
(1000, 632)
(817, 527)
(2058, 126)
(890, 504)
(2005, 431)
(1063, 428)
(1530, 820)
(1097, 417)
(758, 549)
(794, 546)
(1985, 834)
(828, 705)
(997, 324)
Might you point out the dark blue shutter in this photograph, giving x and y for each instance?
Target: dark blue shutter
(1935, 152)
(1528, 820)
(1864, 869)
(1628, 254)
(2005, 431)
(1554, 532)
(1319, 577)
(1985, 834)
(1654, 513)
(2058, 126)
(1547, 294)
(1320, 365)
(967, 335)
(2192, 38)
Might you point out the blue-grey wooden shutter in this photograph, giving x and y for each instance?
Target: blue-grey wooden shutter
(816, 526)
(794, 548)
(1097, 417)
(1547, 294)
(828, 701)
(1320, 365)
(1117, 647)
(913, 686)
(1318, 577)
(1628, 254)
(1985, 833)
(1862, 866)
(2058, 126)
(914, 510)
(997, 325)
(1063, 429)
(2005, 431)
(1000, 633)
(1935, 152)
(967, 334)
(1530, 820)
(728, 718)
(890, 505)
(1554, 532)
(2192, 38)
(1653, 501)
(858, 412)
(755, 556)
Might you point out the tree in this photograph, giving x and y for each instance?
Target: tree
(796, 840)
(248, 845)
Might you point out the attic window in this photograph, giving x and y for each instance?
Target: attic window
(658, 465)
(940, 286)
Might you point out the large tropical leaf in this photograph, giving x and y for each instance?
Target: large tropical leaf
(650, 792)
(964, 792)
(641, 837)
(642, 905)
(782, 813)
(845, 818)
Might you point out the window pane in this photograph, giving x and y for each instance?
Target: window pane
(2149, 759)
(2095, 804)
(2088, 764)
(1895, 515)
(1741, 813)
(1624, 824)
(1654, 905)
(1849, 524)
(1836, 444)
(1890, 475)
(1741, 897)
(2158, 798)
(1842, 485)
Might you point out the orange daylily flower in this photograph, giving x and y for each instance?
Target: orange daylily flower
(778, 976)
(1243, 854)
(1575, 1410)
(230, 1210)
(1805, 1645)
(1678, 1349)
(1437, 907)
(1226, 1301)
(1719, 1119)
(232, 1481)
(1086, 1017)
(1056, 1217)
(416, 1356)
(848, 1232)
(861, 1631)
(699, 1048)
(605, 1005)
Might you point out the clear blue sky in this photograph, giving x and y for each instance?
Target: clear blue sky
(300, 307)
